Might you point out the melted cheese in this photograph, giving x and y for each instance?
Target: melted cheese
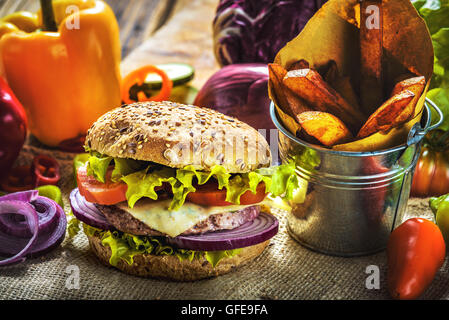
(155, 214)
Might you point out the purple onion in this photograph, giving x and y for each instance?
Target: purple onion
(254, 31)
(17, 248)
(42, 229)
(52, 238)
(264, 227)
(26, 196)
(15, 225)
(239, 91)
(87, 212)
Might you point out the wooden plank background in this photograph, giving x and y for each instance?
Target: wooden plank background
(138, 19)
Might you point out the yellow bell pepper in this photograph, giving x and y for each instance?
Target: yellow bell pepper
(68, 78)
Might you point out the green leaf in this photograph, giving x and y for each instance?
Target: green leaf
(125, 246)
(73, 225)
(214, 257)
(280, 180)
(119, 248)
(98, 166)
(78, 161)
(441, 47)
(436, 15)
(142, 184)
(440, 96)
(51, 192)
(124, 167)
(436, 202)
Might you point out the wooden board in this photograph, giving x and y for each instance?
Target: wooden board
(185, 38)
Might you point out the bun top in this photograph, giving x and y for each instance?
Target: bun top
(178, 135)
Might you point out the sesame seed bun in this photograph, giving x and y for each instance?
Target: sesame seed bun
(177, 135)
(171, 268)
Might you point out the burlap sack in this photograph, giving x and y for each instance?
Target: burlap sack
(285, 270)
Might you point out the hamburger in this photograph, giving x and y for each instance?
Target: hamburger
(176, 191)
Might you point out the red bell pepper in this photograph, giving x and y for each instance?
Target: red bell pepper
(416, 251)
(45, 170)
(13, 128)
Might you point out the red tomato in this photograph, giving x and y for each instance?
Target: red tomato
(108, 193)
(209, 195)
(431, 177)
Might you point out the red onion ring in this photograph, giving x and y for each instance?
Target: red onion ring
(87, 212)
(264, 227)
(46, 208)
(19, 245)
(26, 196)
(44, 227)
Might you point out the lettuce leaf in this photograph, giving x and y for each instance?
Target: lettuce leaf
(98, 166)
(214, 257)
(124, 167)
(436, 15)
(73, 225)
(143, 183)
(125, 246)
(144, 178)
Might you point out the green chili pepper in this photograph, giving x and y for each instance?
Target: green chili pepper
(440, 208)
(51, 192)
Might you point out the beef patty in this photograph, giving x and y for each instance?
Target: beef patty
(125, 222)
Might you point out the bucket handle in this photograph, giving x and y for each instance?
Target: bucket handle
(417, 132)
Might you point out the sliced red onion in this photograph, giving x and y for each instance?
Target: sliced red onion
(87, 212)
(15, 225)
(264, 227)
(26, 196)
(12, 246)
(52, 238)
(43, 229)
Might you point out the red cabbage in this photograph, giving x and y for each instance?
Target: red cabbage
(240, 91)
(254, 31)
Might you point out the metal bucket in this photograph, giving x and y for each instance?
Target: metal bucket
(349, 202)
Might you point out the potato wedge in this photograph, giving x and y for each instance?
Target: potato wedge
(320, 96)
(288, 101)
(389, 115)
(415, 85)
(324, 127)
(276, 73)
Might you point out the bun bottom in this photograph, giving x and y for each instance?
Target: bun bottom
(171, 268)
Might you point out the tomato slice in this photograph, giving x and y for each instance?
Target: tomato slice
(208, 194)
(108, 193)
